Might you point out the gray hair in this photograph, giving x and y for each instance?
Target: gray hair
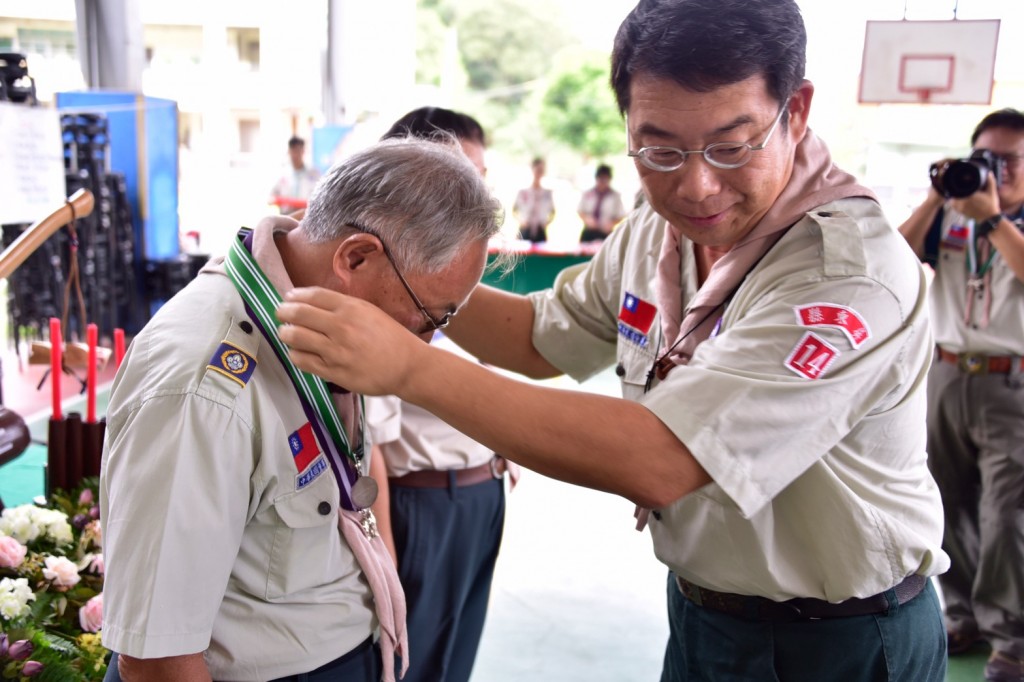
(422, 198)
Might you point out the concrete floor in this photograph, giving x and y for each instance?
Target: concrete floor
(577, 594)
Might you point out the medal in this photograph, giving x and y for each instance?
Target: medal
(364, 492)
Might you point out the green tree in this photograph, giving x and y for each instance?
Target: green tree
(579, 108)
(430, 45)
(507, 43)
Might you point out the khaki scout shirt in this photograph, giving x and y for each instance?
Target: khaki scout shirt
(413, 439)
(212, 540)
(821, 487)
(1002, 296)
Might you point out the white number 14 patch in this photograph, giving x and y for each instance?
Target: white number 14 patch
(812, 356)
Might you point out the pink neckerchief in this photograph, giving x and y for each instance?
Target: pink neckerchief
(815, 181)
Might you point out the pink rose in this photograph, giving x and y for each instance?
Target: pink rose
(61, 571)
(96, 565)
(12, 552)
(90, 616)
(85, 497)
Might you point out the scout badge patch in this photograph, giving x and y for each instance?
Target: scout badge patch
(233, 362)
(812, 356)
(841, 317)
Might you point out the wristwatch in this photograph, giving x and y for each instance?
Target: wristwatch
(985, 226)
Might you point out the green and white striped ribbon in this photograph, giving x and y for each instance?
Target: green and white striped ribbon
(263, 299)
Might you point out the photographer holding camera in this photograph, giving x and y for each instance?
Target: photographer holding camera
(969, 230)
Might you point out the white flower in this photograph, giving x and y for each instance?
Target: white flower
(56, 524)
(27, 522)
(61, 571)
(19, 523)
(14, 598)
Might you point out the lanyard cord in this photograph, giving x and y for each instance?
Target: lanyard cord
(660, 363)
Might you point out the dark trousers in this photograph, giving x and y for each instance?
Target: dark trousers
(362, 664)
(592, 234)
(447, 541)
(976, 453)
(907, 644)
(534, 233)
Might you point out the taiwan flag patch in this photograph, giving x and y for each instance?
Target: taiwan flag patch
(637, 313)
(303, 446)
(957, 237)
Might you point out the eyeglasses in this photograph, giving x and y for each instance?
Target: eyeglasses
(725, 155)
(435, 323)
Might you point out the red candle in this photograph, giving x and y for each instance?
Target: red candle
(118, 347)
(91, 334)
(56, 363)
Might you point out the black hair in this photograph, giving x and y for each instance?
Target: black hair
(296, 141)
(1008, 118)
(706, 44)
(603, 169)
(428, 122)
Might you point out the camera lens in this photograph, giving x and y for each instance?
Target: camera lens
(963, 178)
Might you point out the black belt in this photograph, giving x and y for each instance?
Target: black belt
(801, 608)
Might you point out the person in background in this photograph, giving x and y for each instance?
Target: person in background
(234, 489)
(976, 387)
(534, 206)
(770, 330)
(293, 188)
(600, 207)
(446, 501)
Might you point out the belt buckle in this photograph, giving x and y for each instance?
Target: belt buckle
(972, 363)
(494, 467)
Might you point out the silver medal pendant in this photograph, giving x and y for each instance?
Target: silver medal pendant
(364, 492)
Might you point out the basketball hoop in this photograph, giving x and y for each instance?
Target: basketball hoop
(929, 62)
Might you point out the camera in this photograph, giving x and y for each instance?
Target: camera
(963, 177)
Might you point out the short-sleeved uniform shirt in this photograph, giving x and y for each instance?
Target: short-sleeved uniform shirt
(214, 540)
(413, 439)
(806, 407)
(1001, 300)
(612, 209)
(534, 206)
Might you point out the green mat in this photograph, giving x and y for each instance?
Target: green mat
(22, 479)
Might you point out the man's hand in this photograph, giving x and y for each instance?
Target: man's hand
(981, 205)
(347, 341)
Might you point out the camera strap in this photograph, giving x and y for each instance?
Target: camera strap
(978, 276)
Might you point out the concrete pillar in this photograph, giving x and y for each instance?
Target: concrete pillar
(110, 44)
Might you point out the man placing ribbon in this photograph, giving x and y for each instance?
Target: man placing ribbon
(236, 490)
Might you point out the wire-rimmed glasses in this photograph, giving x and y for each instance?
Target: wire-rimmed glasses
(724, 155)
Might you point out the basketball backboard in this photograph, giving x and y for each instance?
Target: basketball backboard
(937, 62)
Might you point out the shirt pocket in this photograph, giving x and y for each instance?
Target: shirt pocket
(306, 548)
(633, 367)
